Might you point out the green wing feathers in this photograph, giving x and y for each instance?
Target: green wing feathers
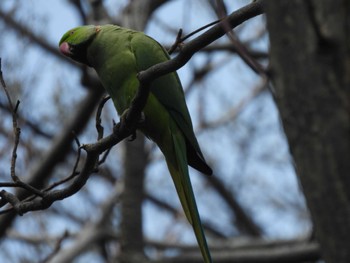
(168, 91)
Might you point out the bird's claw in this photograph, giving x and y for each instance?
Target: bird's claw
(139, 123)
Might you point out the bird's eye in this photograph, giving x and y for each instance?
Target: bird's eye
(71, 32)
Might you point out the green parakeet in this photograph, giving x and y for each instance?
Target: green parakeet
(118, 54)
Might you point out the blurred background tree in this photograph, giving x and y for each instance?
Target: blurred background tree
(252, 208)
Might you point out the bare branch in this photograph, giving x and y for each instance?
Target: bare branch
(256, 251)
(16, 129)
(61, 146)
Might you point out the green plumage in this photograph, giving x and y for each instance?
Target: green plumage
(118, 54)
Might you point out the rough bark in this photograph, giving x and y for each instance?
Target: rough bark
(131, 225)
(310, 69)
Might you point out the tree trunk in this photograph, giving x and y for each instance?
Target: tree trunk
(310, 65)
(135, 15)
(131, 225)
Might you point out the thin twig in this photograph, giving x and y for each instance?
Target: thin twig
(1, 78)
(200, 29)
(16, 129)
(177, 42)
(241, 50)
(57, 247)
(74, 172)
(104, 156)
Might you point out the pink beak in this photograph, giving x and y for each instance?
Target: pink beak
(65, 50)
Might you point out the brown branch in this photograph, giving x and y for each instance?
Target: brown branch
(61, 146)
(2, 81)
(74, 171)
(256, 54)
(35, 191)
(93, 151)
(17, 134)
(16, 129)
(238, 46)
(57, 248)
(256, 251)
(179, 39)
(177, 42)
(228, 47)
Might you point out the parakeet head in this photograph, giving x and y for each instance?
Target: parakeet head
(75, 42)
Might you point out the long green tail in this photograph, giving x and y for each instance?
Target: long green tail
(184, 189)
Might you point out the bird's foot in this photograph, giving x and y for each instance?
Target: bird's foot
(139, 123)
